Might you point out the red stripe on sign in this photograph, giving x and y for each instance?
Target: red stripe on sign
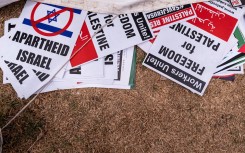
(213, 21)
(156, 32)
(170, 18)
(242, 49)
(88, 52)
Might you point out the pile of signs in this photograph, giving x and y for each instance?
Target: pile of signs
(51, 47)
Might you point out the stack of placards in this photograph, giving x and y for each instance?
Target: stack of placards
(52, 47)
(191, 52)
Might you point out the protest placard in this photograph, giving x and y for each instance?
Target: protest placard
(42, 42)
(125, 29)
(237, 3)
(202, 43)
(126, 66)
(166, 17)
(235, 57)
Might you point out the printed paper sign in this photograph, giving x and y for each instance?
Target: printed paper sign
(126, 69)
(234, 70)
(237, 3)
(167, 16)
(41, 44)
(236, 56)
(9, 25)
(94, 69)
(230, 77)
(192, 60)
(123, 32)
(214, 19)
(49, 30)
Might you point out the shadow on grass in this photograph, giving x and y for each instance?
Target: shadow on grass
(20, 134)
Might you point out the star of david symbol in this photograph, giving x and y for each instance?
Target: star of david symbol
(54, 18)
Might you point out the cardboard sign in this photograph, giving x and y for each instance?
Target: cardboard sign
(126, 29)
(167, 16)
(41, 43)
(202, 43)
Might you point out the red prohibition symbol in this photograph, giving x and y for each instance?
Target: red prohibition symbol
(34, 22)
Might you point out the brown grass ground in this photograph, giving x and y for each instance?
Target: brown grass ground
(157, 116)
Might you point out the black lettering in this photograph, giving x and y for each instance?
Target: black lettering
(28, 40)
(179, 27)
(41, 76)
(42, 43)
(195, 67)
(20, 75)
(37, 60)
(22, 37)
(76, 70)
(104, 47)
(127, 26)
(96, 27)
(24, 56)
(109, 60)
(65, 50)
(199, 37)
(210, 42)
(193, 34)
(18, 56)
(91, 14)
(35, 42)
(48, 64)
(59, 49)
(216, 47)
(102, 41)
(183, 61)
(54, 48)
(172, 26)
(177, 58)
(188, 64)
(200, 71)
(16, 36)
(11, 26)
(48, 45)
(44, 61)
(130, 33)
(17, 69)
(24, 76)
(164, 51)
(171, 54)
(30, 58)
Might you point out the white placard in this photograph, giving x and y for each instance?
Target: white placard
(41, 44)
(188, 53)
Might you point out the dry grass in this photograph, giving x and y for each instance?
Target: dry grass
(157, 116)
